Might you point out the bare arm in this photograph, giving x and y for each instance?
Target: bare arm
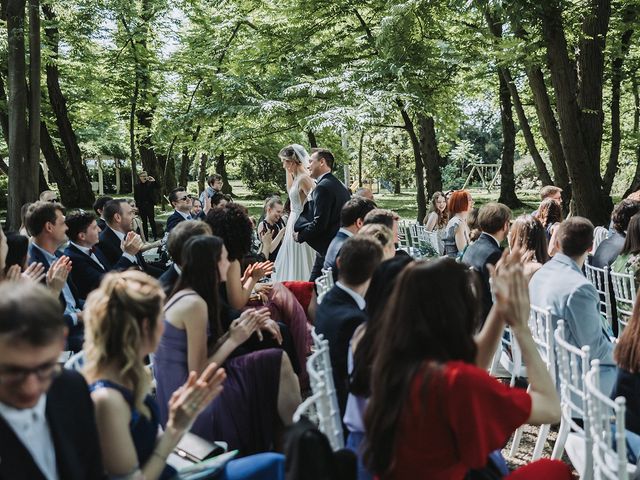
(462, 236)
(190, 314)
(238, 293)
(432, 220)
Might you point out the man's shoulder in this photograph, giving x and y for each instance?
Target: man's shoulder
(69, 384)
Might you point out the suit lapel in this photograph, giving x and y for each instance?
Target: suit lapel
(15, 460)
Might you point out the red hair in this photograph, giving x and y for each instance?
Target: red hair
(459, 202)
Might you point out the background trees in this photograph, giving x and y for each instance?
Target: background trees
(398, 88)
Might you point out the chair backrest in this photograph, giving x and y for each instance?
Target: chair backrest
(324, 283)
(573, 364)
(624, 293)
(427, 242)
(541, 326)
(599, 234)
(599, 278)
(607, 425)
(324, 399)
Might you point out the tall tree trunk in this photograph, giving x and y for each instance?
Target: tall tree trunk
(313, 142)
(549, 131)
(507, 178)
(628, 17)
(430, 154)
(635, 183)
(360, 147)
(132, 131)
(23, 172)
(221, 169)
(170, 173)
(421, 199)
(34, 83)
(396, 184)
(580, 153)
(202, 171)
(58, 168)
(185, 165)
(543, 173)
(58, 103)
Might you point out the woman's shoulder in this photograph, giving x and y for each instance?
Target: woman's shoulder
(110, 402)
(187, 301)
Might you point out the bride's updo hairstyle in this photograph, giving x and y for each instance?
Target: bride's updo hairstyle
(293, 153)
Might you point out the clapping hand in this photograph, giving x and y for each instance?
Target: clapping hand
(33, 273)
(58, 273)
(271, 327)
(207, 204)
(257, 271)
(244, 326)
(190, 399)
(132, 243)
(510, 289)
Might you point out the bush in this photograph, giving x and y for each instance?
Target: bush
(263, 175)
(526, 174)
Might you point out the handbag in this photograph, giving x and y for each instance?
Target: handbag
(196, 449)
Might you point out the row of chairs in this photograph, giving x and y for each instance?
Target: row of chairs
(624, 293)
(417, 241)
(324, 283)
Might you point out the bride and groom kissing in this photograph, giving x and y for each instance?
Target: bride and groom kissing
(315, 212)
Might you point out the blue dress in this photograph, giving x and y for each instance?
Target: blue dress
(144, 431)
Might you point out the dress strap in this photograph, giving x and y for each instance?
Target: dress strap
(104, 383)
(175, 298)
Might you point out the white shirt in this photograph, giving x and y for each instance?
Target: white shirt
(87, 251)
(322, 176)
(355, 295)
(186, 216)
(32, 429)
(128, 256)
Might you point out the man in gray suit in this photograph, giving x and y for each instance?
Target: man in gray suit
(561, 286)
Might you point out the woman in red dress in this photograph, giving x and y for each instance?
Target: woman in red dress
(434, 412)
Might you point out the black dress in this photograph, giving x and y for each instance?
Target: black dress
(275, 229)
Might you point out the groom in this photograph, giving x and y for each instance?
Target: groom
(320, 220)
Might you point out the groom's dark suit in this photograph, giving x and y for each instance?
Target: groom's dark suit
(320, 219)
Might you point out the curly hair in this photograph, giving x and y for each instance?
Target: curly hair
(622, 213)
(528, 233)
(114, 316)
(233, 225)
(549, 212)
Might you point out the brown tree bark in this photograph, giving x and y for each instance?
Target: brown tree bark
(507, 178)
(628, 17)
(430, 154)
(221, 169)
(421, 199)
(202, 171)
(58, 168)
(132, 131)
(34, 83)
(188, 159)
(84, 196)
(23, 171)
(582, 154)
(313, 142)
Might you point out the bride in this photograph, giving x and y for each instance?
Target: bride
(295, 260)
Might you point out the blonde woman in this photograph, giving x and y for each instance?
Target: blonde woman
(123, 324)
(295, 260)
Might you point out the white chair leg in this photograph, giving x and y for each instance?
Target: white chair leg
(517, 436)
(558, 447)
(542, 438)
(496, 361)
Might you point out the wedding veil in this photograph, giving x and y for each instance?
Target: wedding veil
(302, 154)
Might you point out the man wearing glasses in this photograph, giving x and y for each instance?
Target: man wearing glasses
(181, 202)
(47, 424)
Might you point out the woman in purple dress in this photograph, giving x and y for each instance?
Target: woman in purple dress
(261, 390)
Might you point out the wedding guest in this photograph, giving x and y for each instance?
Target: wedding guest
(550, 192)
(47, 423)
(342, 308)
(437, 218)
(272, 227)
(23, 220)
(456, 236)
(175, 243)
(261, 388)
(181, 202)
(611, 247)
(98, 207)
(213, 190)
(136, 226)
(365, 193)
(144, 193)
(196, 210)
(383, 235)
(124, 325)
(434, 411)
(49, 196)
(528, 235)
(473, 225)
(17, 251)
(352, 218)
(550, 215)
(385, 217)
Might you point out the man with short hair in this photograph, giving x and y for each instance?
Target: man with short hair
(342, 308)
(611, 247)
(47, 423)
(320, 220)
(119, 216)
(561, 286)
(45, 221)
(552, 192)
(351, 221)
(98, 207)
(365, 192)
(89, 263)
(49, 196)
(181, 202)
(213, 190)
(493, 219)
(144, 193)
(177, 238)
(388, 218)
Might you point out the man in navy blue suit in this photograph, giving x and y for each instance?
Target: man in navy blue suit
(119, 216)
(47, 422)
(181, 202)
(351, 221)
(493, 219)
(320, 220)
(89, 263)
(342, 308)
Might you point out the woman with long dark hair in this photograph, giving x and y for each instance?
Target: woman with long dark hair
(528, 235)
(434, 412)
(261, 389)
(550, 216)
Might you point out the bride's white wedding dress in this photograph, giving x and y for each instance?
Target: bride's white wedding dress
(295, 260)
